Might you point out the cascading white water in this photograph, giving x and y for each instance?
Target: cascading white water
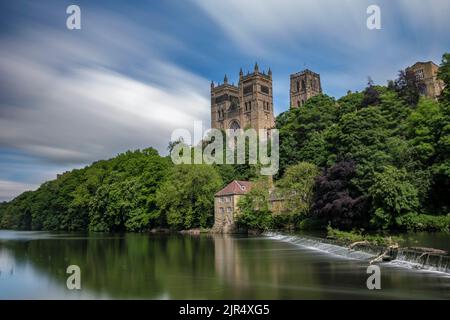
(417, 260)
(320, 245)
(404, 258)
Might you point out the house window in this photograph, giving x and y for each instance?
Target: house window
(419, 75)
(229, 209)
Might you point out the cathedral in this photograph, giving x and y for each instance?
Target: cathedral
(247, 105)
(250, 103)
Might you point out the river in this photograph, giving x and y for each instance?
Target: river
(161, 266)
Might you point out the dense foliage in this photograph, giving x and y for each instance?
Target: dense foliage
(336, 198)
(384, 153)
(296, 190)
(186, 198)
(254, 207)
(379, 158)
(135, 191)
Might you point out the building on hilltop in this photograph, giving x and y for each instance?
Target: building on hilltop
(226, 205)
(304, 85)
(426, 76)
(247, 105)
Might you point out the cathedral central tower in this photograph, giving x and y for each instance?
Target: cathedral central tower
(304, 85)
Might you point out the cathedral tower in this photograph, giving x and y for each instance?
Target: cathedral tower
(247, 105)
(304, 85)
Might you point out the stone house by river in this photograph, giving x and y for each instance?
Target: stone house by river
(226, 205)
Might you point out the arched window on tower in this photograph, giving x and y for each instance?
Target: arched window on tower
(234, 125)
(298, 86)
(303, 85)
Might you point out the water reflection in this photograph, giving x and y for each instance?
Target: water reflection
(192, 267)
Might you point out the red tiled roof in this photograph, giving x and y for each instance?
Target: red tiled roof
(235, 187)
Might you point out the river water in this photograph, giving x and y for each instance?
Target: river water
(142, 266)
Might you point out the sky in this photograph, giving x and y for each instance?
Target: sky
(137, 70)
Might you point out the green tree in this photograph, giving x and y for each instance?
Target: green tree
(392, 196)
(296, 186)
(186, 198)
(254, 210)
(304, 127)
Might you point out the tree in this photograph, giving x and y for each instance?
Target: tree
(407, 87)
(371, 95)
(186, 197)
(350, 103)
(336, 200)
(296, 187)
(392, 196)
(299, 125)
(254, 210)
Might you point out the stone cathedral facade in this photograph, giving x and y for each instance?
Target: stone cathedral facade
(247, 105)
(250, 103)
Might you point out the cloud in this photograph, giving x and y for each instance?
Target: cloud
(260, 26)
(71, 98)
(331, 37)
(10, 189)
(69, 102)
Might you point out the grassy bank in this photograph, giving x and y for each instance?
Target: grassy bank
(349, 237)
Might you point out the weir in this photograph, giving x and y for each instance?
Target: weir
(425, 260)
(416, 258)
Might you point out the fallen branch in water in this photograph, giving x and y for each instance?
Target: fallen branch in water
(357, 243)
(385, 254)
